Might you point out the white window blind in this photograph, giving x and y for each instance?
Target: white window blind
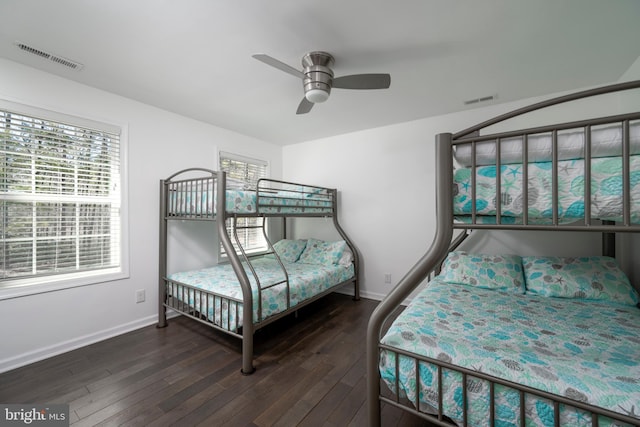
(247, 171)
(60, 197)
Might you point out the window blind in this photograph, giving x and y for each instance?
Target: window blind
(60, 197)
(248, 171)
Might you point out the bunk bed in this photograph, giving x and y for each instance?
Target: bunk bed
(290, 274)
(519, 341)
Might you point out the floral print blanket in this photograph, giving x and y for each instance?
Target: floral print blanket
(305, 281)
(586, 350)
(606, 190)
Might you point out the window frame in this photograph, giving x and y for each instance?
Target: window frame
(25, 286)
(267, 172)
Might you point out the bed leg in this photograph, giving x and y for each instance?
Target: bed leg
(356, 291)
(253, 369)
(162, 318)
(247, 352)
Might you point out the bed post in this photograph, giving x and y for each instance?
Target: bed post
(609, 241)
(418, 273)
(162, 273)
(247, 294)
(356, 257)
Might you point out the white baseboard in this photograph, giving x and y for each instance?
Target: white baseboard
(63, 347)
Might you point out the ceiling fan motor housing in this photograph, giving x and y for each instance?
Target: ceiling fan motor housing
(317, 76)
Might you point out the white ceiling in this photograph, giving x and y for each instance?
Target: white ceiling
(193, 57)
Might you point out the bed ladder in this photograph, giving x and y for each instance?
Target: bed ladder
(271, 250)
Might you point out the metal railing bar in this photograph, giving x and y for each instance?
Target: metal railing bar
(465, 409)
(397, 377)
(631, 228)
(525, 180)
(626, 184)
(492, 403)
(473, 182)
(554, 176)
(516, 386)
(417, 390)
(498, 183)
(440, 399)
(587, 175)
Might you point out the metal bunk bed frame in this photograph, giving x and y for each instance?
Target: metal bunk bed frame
(201, 212)
(442, 244)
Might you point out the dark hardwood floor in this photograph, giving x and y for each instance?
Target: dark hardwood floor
(310, 372)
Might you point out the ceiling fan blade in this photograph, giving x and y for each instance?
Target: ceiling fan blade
(278, 64)
(362, 81)
(304, 107)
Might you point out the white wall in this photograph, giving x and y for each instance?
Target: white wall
(386, 181)
(160, 143)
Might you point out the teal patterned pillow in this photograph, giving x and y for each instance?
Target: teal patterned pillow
(501, 272)
(289, 250)
(595, 277)
(321, 252)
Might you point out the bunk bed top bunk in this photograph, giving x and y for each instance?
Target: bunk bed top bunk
(197, 198)
(505, 340)
(286, 276)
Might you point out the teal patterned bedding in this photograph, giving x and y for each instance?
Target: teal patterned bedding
(278, 202)
(606, 190)
(305, 281)
(586, 350)
(202, 203)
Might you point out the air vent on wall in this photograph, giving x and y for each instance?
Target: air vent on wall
(483, 99)
(49, 56)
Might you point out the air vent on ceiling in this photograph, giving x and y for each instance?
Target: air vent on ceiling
(483, 99)
(49, 56)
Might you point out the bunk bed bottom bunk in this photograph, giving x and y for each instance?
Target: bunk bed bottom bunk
(294, 274)
(215, 293)
(455, 333)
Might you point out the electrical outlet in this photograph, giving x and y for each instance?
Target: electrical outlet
(140, 297)
(387, 278)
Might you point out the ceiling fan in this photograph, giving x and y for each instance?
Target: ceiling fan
(317, 78)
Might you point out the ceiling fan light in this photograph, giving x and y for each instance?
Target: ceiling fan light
(316, 95)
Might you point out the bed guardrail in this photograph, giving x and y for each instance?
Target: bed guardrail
(218, 311)
(190, 198)
(615, 218)
(278, 198)
(468, 379)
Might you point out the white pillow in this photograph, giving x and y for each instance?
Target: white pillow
(347, 257)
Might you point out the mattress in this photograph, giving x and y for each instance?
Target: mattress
(203, 202)
(278, 202)
(606, 141)
(606, 191)
(305, 281)
(585, 350)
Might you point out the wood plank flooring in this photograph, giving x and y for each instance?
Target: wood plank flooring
(310, 372)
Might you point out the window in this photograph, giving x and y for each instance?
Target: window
(247, 172)
(60, 197)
